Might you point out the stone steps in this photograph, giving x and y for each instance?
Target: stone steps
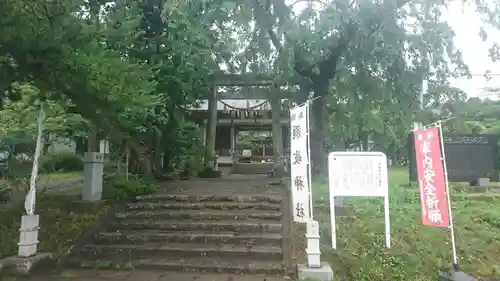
(146, 237)
(183, 250)
(199, 264)
(197, 232)
(254, 198)
(202, 206)
(192, 225)
(201, 215)
(252, 168)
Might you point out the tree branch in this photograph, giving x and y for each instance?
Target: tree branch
(300, 65)
(327, 67)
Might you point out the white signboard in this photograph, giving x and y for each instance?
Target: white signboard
(299, 163)
(358, 174)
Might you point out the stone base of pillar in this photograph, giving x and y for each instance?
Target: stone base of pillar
(24, 265)
(323, 273)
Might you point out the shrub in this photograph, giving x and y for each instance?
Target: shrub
(61, 162)
(17, 168)
(120, 189)
(209, 173)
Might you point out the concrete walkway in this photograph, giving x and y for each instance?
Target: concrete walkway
(139, 275)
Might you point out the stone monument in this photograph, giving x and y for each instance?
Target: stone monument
(469, 158)
(93, 173)
(314, 269)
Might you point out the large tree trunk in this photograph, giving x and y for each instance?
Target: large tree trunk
(167, 135)
(277, 133)
(92, 139)
(140, 158)
(212, 128)
(167, 150)
(317, 124)
(157, 154)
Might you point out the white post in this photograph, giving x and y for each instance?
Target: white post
(313, 251)
(387, 222)
(333, 221)
(456, 266)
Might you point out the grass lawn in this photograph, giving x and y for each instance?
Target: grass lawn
(64, 175)
(52, 176)
(417, 252)
(61, 223)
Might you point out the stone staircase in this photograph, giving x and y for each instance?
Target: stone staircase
(225, 233)
(255, 168)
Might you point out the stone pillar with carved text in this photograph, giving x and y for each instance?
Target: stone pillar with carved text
(277, 130)
(211, 128)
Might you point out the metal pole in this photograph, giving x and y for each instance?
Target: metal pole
(456, 266)
(309, 176)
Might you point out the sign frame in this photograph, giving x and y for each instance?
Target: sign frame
(381, 191)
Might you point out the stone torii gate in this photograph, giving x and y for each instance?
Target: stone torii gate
(254, 90)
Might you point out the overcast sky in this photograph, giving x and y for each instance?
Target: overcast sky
(466, 23)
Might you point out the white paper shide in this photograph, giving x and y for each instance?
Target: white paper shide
(299, 161)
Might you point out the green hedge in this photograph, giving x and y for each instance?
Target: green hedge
(61, 162)
(119, 188)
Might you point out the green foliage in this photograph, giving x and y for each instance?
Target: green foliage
(119, 188)
(19, 118)
(64, 220)
(5, 193)
(187, 153)
(61, 162)
(417, 252)
(134, 69)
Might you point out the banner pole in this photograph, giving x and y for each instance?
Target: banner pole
(309, 176)
(306, 102)
(30, 201)
(456, 265)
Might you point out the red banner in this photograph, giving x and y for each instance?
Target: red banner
(431, 181)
